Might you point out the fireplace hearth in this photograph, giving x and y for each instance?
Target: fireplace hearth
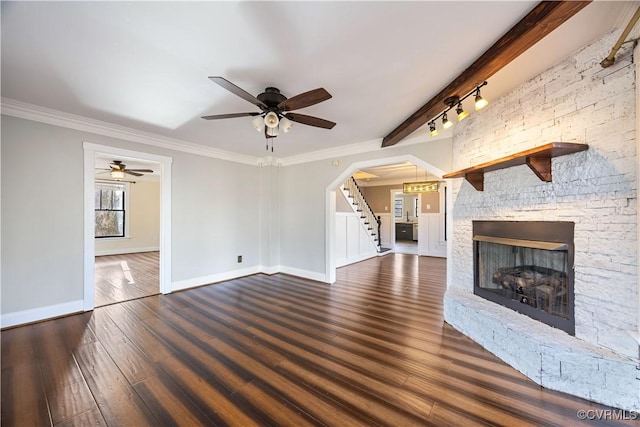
(528, 267)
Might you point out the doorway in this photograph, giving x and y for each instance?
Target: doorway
(330, 203)
(127, 229)
(126, 268)
(406, 212)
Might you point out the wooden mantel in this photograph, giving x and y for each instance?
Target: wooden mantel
(538, 159)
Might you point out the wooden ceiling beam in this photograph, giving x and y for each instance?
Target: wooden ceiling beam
(543, 18)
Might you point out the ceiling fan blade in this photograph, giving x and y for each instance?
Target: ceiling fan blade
(140, 170)
(305, 99)
(132, 173)
(238, 91)
(229, 116)
(310, 120)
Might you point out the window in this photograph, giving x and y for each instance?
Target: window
(110, 210)
(397, 208)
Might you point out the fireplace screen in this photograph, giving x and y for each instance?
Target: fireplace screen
(533, 277)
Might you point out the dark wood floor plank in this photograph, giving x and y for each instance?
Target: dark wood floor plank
(18, 346)
(208, 397)
(371, 349)
(24, 401)
(163, 397)
(129, 316)
(132, 362)
(68, 394)
(92, 418)
(117, 401)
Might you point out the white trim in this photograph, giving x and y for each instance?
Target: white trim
(41, 313)
(359, 258)
(22, 110)
(214, 278)
(126, 251)
(330, 235)
(90, 151)
(306, 274)
(270, 270)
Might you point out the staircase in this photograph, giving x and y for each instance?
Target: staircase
(368, 218)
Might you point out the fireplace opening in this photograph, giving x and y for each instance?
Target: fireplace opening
(528, 267)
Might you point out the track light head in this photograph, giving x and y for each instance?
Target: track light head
(480, 101)
(432, 129)
(446, 123)
(461, 113)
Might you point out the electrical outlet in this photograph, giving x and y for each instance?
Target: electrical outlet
(239, 258)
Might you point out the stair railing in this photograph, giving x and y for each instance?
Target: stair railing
(367, 216)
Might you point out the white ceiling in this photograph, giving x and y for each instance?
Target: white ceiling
(144, 65)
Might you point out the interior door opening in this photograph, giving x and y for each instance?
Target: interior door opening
(127, 229)
(406, 211)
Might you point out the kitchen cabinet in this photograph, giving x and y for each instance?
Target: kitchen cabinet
(404, 231)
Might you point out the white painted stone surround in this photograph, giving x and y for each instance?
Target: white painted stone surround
(575, 101)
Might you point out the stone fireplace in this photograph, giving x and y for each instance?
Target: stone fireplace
(577, 101)
(527, 266)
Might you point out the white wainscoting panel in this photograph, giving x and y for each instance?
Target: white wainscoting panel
(352, 242)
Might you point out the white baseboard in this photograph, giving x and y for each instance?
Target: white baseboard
(342, 263)
(312, 275)
(270, 270)
(126, 251)
(214, 278)
(41, 313)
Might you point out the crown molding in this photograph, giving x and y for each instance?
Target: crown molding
(23, 110)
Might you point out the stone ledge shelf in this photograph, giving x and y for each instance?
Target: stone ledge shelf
(538, 159)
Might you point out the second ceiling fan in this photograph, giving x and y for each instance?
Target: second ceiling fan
(276, 108)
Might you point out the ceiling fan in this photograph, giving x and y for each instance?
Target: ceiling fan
(276, 108)
(117, 170)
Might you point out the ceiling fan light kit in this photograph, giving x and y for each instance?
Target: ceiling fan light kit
(117, 174)
(118, 170)
(275, 114)
(456, 101)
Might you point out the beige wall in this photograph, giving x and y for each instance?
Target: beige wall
(432, 200)
(379, 197)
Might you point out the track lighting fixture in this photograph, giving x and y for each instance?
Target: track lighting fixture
(480, 101)
(460, 112)
(446, 123)
(455, 101)
(432, 129)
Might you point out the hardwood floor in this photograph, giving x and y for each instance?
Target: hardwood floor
(406, 247)
(372, 349)
(125, 277)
